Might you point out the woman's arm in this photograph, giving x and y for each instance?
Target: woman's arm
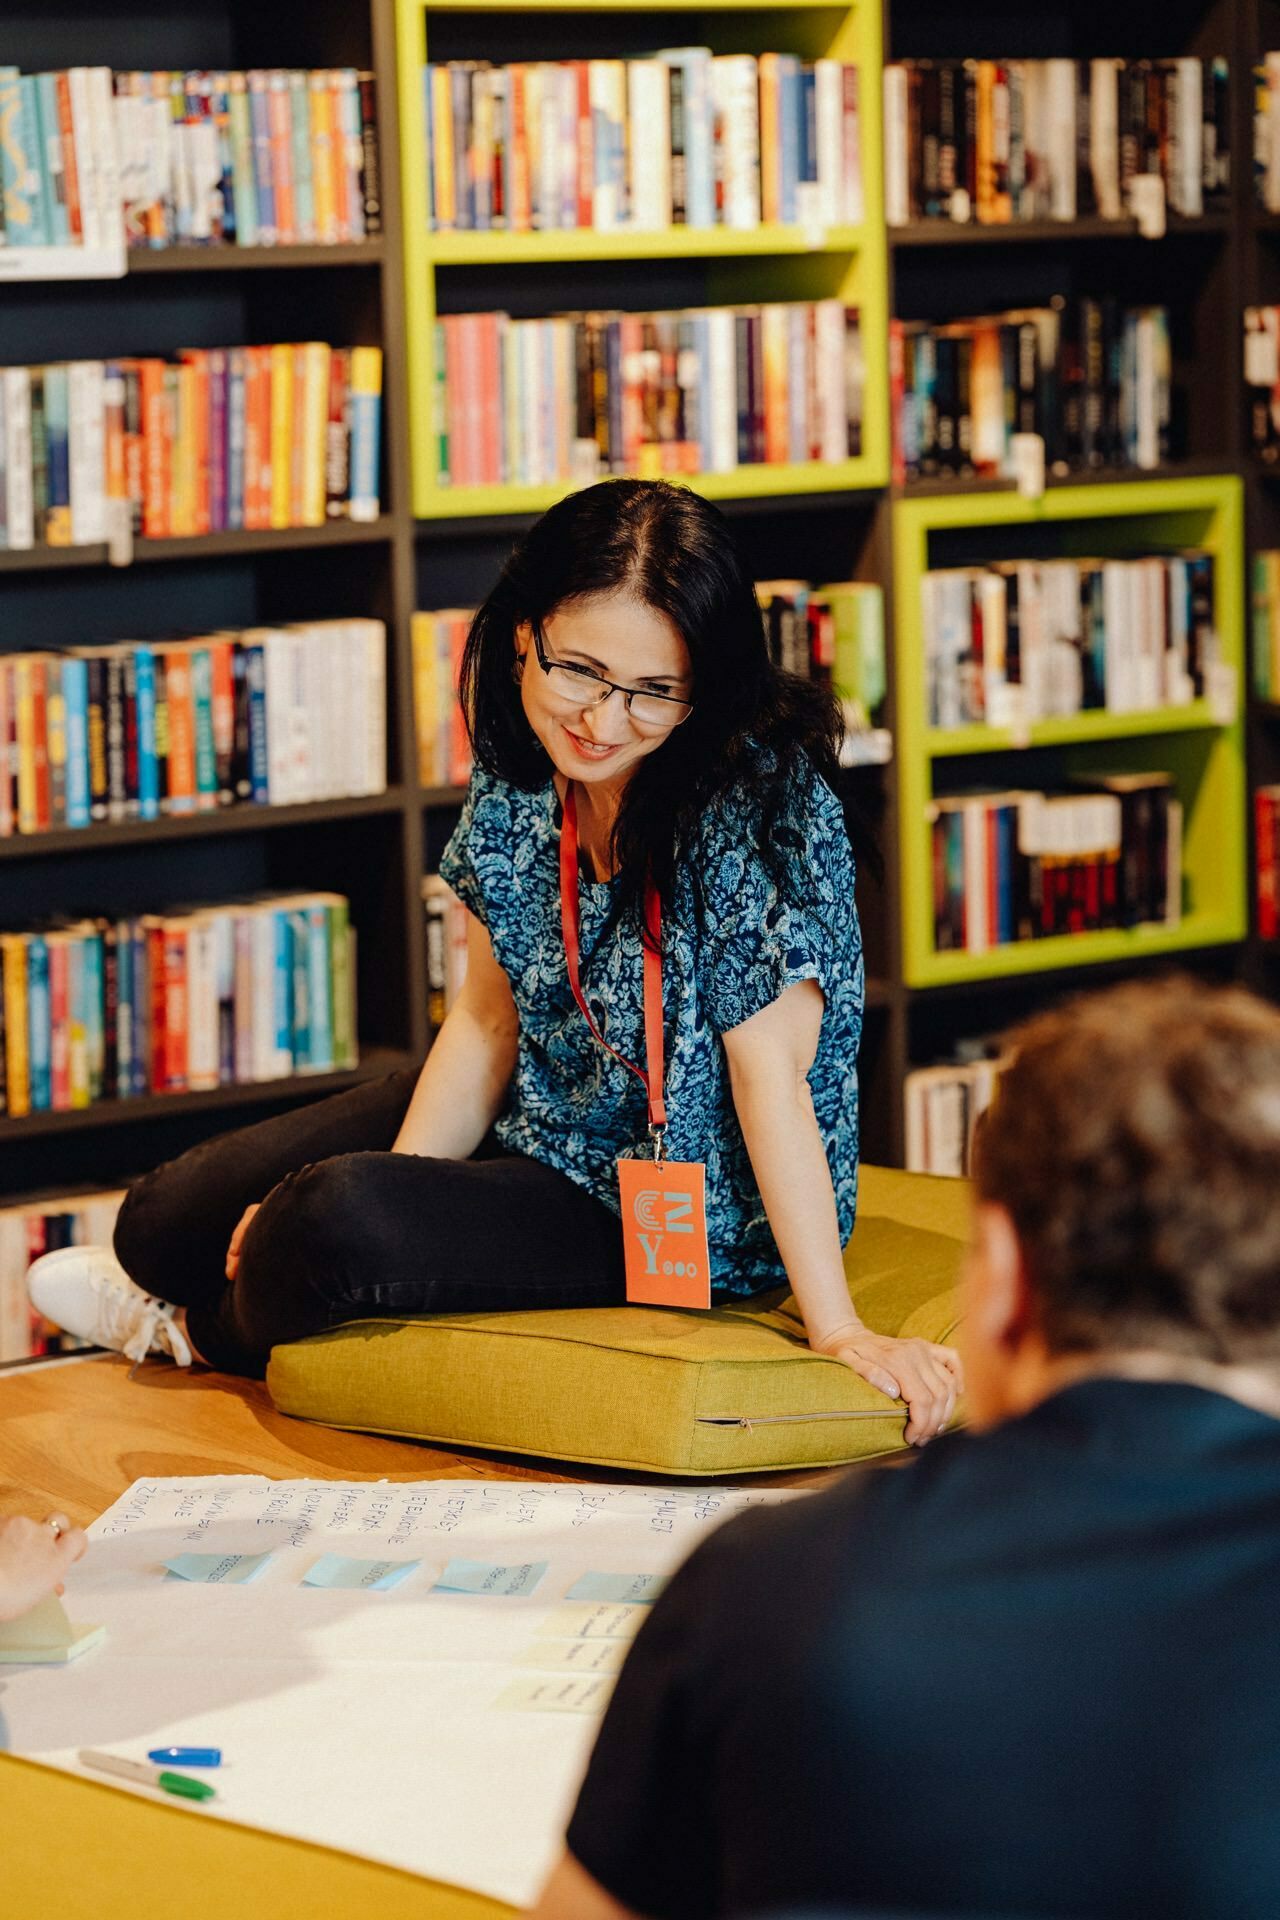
(463, 1084)
(770, 1056)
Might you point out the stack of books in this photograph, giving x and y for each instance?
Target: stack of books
(266, 158)
(446, 947)
(1262, 377)
(96, 1010)
(1264, 611)
(444, 751)
(1093, 379)
(1025, 865)
(1266, 132)
(942, 1108)
(1266, 820)
(581, 396)
(995, 141)
(29, 1228)
(686, 138)
(271, 716)
(834, 634)
(216, 441)
(1022, 640)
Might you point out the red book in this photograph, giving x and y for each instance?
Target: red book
(59, 1024)
(520, 212)
(174, 936)
(70, 172)
(337, 439)
(155, 976)
(40, 742)
(490, 377)
(257, 437)
(1268, 906)
(459, 744)
(586, 146)
(221, 654)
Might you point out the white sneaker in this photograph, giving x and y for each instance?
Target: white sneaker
(85, 1291)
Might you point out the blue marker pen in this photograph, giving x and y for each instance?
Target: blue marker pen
(186, 1756)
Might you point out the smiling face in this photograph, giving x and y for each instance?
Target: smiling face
(620, 639)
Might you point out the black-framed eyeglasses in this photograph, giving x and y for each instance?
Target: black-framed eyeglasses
(587, 689)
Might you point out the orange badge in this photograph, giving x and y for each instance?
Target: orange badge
(664, 1232)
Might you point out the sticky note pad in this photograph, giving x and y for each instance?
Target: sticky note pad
(633, 1589)
(45, 1637)
(477, 1576)
(376, 1576)
(575, 1656)
(217, 1569)
(580, 1621)
(570, 1694)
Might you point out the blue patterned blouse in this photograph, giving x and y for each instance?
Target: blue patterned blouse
(731, 946)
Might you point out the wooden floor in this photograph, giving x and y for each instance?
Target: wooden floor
(74, 1435)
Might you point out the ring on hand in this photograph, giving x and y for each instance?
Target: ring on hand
(59, 1523)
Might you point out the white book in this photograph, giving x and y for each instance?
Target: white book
(1188, 194)
(161, 188)
(897, 156)
(86, 451)
(202, 1003)
(1147, 390)
(1060, 137)
(1152, 633)
(607, 90)
(277, 676)
(1116, 650)
(1033, 640)
(206, 177)
(102, 122)
(913, 1100)
(993, 601)
(833, 410)
(722, 389)
(243, 998)
(19, 502)
(87, 166)
(549, 162)
(374, 677)
(649, 160)
(828, 106)
(735, 87)
(948, 1125)
(303, 689)
(1104, 136)
(269, 1060)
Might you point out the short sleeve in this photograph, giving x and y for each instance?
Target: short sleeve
(644, 1825)
(457, 862)
(764, 939)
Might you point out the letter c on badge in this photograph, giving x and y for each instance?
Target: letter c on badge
(645, 1208)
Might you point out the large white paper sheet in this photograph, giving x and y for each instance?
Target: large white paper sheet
(367, 1719)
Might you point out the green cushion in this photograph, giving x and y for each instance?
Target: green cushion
(735, 1390)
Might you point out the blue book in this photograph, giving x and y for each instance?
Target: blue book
(50, 138)
(255, 673)
(263, 177)
(808, 127)
(789, 142)
(283, 990)
(57, 432)
(141, 1008)
(364, 400)
(144, 668)
(75, 696)
(39, 1035)
(235, 439)
(1006, 828)
(22, 169)
(94, 976)
(430, 150)
(124, 1010)
(301, 962)
(202, 701)
(320, 987)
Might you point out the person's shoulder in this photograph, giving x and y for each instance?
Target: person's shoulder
(769, 793)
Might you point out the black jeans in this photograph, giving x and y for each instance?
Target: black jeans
(348, 1229)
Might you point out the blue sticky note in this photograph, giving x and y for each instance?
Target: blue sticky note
(217, 1569)
(375, 1576)
(477, 1576)
(630, 1589)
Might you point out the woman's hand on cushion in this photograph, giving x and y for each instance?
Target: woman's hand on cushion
(927, 1376)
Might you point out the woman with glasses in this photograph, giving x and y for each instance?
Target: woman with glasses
(663, 958)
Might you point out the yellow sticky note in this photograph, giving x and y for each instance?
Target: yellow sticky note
(582, 1621)
(575, 1656)
(45, 1637)
(567, 1693)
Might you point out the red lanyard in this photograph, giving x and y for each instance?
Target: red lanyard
(570, 924)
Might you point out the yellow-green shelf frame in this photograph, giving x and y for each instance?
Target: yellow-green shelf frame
(848, 263)
(1205, 755)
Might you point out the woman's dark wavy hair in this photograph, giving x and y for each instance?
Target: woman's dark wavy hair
(674, 552)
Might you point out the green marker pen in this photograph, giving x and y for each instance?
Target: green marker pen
(144, 1775)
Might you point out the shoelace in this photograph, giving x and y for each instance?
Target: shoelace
(131, 1321)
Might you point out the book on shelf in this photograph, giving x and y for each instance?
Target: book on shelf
(1266, 132)
(682, 138)
(137, 730)
(1026, 640)
(1264, 622)
(446, 919)
(577, 397)
(1092, 378)
(995, 142)
(1262, 379)
(218, 440)
(1266, 824)
(44, 1223)
(99, 1010)
(444, 750)
(274, 157)
(941, 1107)
(833, 634)
(1024, 865)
